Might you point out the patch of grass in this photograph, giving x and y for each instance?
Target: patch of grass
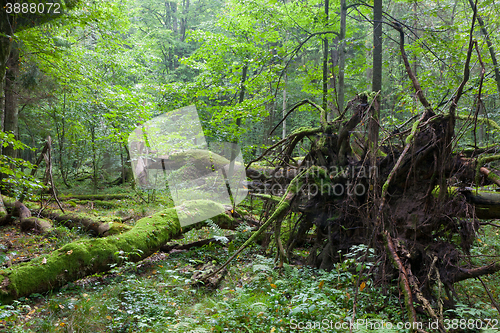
(253, 297)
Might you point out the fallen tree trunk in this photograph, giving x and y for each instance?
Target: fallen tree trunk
(31, 223)
(85, 257)
(116, 196)
(99, 225)
(486, 203)
(22, 214)
(200, 243)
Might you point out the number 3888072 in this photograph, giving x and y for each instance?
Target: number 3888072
(33, 8)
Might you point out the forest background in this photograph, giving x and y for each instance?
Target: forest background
(89, 76)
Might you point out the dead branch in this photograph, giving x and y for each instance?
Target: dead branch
(413, 78)
(492, 298)
(460, 89)
(464, 274)
(403, 275)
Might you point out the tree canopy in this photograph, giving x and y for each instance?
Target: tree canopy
(397, 98)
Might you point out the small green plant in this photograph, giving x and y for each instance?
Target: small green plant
(216, 232)
(16, 180)
(125, 264)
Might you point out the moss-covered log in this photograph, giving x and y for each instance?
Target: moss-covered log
(22, 215)
(493, 177)
(485, 202)
(3, 211)
(116, 196)
(85, 257)
(102, 226)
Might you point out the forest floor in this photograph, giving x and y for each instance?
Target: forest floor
(154, 295)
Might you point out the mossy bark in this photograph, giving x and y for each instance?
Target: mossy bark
(3, 211)
(22, 214)
(101, 226)
(116, 196)
(486, 203)
(84, 257)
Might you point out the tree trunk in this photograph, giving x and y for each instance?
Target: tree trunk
(184, 20)
(491, 49)
(377, 46)
(61, 135)
(94, 157)
(283, 134)
(11, 110)
(173, 7)
(98, 225)
(325, 61)
(85, 257)
(5, 46)
(341, 86)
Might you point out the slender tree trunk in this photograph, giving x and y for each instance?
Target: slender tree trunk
(184, 20)
(94, 157)
(128, 165)
(377, 46)
(61, 135)
(11, 109)
(376, 76)
(238, 124)
(5, 47)
(373, 130)
(332, 62)
(490, 47)
(173, 6)
(341, 86)
(283, 135)
(325, 61)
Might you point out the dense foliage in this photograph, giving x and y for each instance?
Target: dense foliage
(88, 78)
(259, 71)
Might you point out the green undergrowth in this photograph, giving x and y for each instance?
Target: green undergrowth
(486, 249)
(155, 296)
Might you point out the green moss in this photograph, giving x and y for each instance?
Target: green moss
(267, 197)
(452, 191)
(110, 196)
(83, 257)
(72, 203)
(414, 128)
(115, 228)
(370, 95)
(494, 177)
(304, 129)
(481, 120)
(481, 162)
(385, 187)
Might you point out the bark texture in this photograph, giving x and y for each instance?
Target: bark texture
(85, 257)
